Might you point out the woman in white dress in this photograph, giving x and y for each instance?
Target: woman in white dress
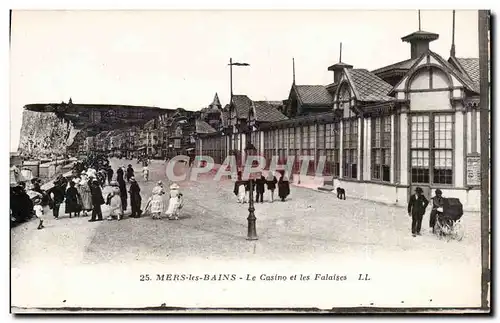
(175, 203)
(84, 190)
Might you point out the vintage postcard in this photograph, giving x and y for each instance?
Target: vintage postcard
(273, 161)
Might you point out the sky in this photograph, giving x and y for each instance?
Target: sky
(173, 59)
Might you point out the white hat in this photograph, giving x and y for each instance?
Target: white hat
(174, 186)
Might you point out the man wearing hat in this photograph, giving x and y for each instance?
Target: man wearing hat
(437, 202)
(97, 201)
(416, 209)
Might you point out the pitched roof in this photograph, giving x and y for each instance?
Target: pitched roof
(463, 78)
(471, 68)
(469, 84)
(242, 105)
(367, 86)
(203, 127)
(420, 35)
(216, 102)
(266, 112)
(403, 65)
(313, 95)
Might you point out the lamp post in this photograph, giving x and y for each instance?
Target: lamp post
(252, 232)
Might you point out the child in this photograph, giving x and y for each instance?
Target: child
(175, 203)
(115, 202)
(145, 172)
(37, 207)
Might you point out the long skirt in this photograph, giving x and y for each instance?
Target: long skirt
(242, 194)
(173, 207)
(156, 206)
(86, 198)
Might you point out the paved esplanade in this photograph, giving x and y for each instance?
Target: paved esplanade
(213, 225)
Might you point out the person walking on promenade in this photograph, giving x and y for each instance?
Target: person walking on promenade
(135, 198)
(119, 174)
(58, 192)
(115, 202)
(110, 174)
(271, 184)
(283, 186)
(260, 184)
(123, 193)
(130, 172)
(437, 202)
(240, 189)
(97, 201)
(85, 194)
(175, 202)
(72, 200)
(416, 209)
(156, 205)
(145, 173)
(38, 209)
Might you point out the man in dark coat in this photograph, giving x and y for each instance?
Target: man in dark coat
(130, 172)
(119, 173)
(123, 193)
(260, 184)
(73, 199)
(416, 209)
(58, 195)
(20, 204)
(283, 187)
(135, 198)
(110, 174)
(97, 201)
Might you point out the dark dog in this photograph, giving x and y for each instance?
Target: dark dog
(340, 193)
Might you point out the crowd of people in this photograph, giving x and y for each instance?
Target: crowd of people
(82, 194)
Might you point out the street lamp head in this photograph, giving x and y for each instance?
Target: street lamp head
(239, 64)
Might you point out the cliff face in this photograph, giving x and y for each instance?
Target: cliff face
(44, 133)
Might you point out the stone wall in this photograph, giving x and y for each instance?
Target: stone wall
(43, 133)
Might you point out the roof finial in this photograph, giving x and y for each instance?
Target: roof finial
(340, 56)
(293, 66)
(419, 24)
(452, 51)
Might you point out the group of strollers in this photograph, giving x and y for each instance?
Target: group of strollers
(242, 187)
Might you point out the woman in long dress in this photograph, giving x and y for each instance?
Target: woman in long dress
(156, 205)
(175, 202)
(72, 200)
(283, 187)
(85, 194)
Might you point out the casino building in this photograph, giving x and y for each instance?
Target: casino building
(383, 132)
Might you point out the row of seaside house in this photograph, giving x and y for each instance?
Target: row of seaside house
(167, 135)
(384, 132)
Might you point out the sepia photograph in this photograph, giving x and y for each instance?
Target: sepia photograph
(250, 161)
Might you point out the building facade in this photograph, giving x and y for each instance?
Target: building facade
(385, 132)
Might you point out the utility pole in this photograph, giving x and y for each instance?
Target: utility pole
(484, 28)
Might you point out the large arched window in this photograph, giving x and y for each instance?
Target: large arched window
(431, 127)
